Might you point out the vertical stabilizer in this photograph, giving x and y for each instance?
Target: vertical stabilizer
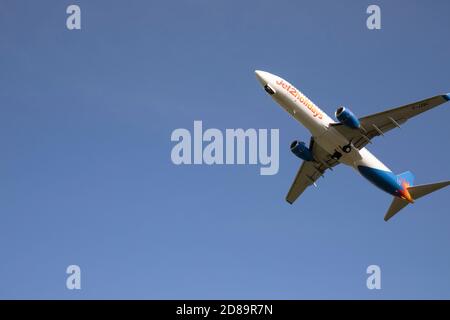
(407, 176)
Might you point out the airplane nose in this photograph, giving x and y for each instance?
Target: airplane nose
(260, 76)
(264, 78)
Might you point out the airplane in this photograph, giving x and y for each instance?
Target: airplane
(343, 141)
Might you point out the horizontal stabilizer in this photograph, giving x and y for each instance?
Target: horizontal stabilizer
(416, 192)
(419, 191)
(396, 205)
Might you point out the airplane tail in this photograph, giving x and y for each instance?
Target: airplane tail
(416, 192)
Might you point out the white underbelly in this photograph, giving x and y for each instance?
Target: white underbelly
(332, 141)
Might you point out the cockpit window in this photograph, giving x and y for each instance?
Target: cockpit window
(269, 89)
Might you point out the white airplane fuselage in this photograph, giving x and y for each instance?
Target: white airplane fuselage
(319, 124)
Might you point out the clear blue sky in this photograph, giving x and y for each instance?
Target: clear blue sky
(86, 176)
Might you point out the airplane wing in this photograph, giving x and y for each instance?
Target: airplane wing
(379, 123)
(310, 171)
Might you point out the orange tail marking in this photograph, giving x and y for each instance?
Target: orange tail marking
(405, 193)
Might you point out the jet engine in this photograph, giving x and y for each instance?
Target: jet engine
(346, 117)
(301, 150)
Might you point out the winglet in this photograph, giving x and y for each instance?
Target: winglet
(446, 96)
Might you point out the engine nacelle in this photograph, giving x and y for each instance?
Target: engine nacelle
(346, 117)
(301, 150)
